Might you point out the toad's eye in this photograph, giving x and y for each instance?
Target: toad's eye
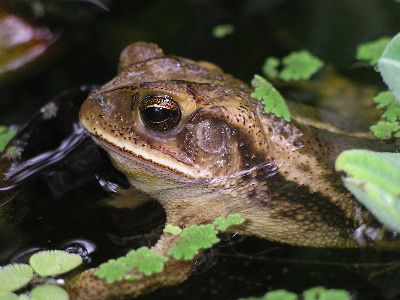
(160, 113)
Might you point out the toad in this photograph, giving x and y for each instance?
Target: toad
(191, 137)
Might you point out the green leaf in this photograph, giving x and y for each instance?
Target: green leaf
(313, 293)
(384, 130)
(113, 270)
(146, 261)
(384, 99)
(6, 134)
(54, 262)
(270, 67)
(334, 294)
(172, 229)
(143, 260)
(194, 238)
(14, 277)
(271, 99)
(274, 295)
(12, 296)
(280, 295)
(389, 66)
(49, 292)
(373, 50)
(222, 30)
(8, 296)
(374, 179)
(300, 65)
(222, 224)
(392, 113)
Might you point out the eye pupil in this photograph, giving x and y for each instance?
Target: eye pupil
(160, 113)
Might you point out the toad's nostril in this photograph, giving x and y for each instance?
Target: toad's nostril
(101, 100)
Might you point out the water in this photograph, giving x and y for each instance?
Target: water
(54, 200)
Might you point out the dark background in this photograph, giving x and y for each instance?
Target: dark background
(90, 40)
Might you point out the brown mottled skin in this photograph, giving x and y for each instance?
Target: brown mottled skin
(224, 156)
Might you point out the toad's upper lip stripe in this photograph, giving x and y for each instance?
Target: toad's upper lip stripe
(141, 160)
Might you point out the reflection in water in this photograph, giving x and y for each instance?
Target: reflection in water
(17, 173)
(84, 248)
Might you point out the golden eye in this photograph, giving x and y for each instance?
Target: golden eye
(160, 113)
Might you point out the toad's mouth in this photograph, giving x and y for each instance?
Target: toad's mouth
(136, 158)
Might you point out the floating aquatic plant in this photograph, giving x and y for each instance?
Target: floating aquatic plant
(193, 239)
(6, 134)
(142, 260)
(145, 262)
(113, 270)
(316, 293)
(389, 124)
(172, 229)
(372, 51)
(8, 296)
(386, 53)
(222, 30)
(389, 66)
(313, 293)
(270, 67)
(271, 99)
(385, 130)
(333, 294)
(222, 224)
(299, 65)
(54, 262)
(197, 237)
(14, 277)
(49, 292)
(44, 263)
(374, 178)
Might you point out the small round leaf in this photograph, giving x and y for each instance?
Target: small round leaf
(8, 296)
(55, 262)
(14, 277)
(49, 292)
